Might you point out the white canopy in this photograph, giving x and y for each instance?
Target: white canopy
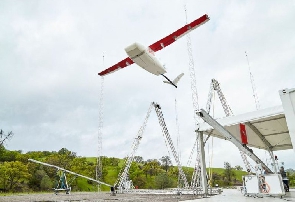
(265, 129)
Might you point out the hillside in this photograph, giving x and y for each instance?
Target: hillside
(19, 175)
(145, 176)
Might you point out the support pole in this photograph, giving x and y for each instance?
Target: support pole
(203, 163)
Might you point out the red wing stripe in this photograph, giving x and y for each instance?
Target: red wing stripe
(119, 65)
(166, 41)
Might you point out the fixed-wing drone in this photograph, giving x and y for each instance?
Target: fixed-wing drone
(145, 58)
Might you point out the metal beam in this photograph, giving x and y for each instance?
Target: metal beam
(206, 117)
(259, 134)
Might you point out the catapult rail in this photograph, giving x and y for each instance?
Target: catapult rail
(68, 171)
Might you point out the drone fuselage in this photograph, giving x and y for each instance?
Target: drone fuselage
(145, 58)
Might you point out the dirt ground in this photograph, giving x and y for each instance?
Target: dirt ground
(228, 195)
(93, 197)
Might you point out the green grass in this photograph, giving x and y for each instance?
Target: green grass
(112, 175)
(239, 173)
(83, 185)
(216, 170)
(91, 159)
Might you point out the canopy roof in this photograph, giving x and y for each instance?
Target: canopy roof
(266, 128)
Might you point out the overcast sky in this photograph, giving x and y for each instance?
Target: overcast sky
(51, 52)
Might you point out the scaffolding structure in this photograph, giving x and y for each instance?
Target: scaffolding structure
(123, 184)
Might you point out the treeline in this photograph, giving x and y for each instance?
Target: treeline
(17, 174)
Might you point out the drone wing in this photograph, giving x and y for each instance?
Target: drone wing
(166, 41)
(120, 65)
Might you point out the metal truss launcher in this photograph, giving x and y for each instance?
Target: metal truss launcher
(123, 183)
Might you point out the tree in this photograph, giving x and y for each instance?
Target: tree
(215, 177)
(151, 167)
(13, 173)
(290, 171)
(135, 170)
(228, 173)
(166, 163)
(104, 160)
(39, 154)
(81, 166)
(63, 158)
(36, 178)
(173, 171)
(2, 153)
(138, 159)
(22, 158)
(238, 167)
(139, 182)
(145, 169)
(163, 181)
(114, 161)
(53, 160)
(7, 155)
(46, 183)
